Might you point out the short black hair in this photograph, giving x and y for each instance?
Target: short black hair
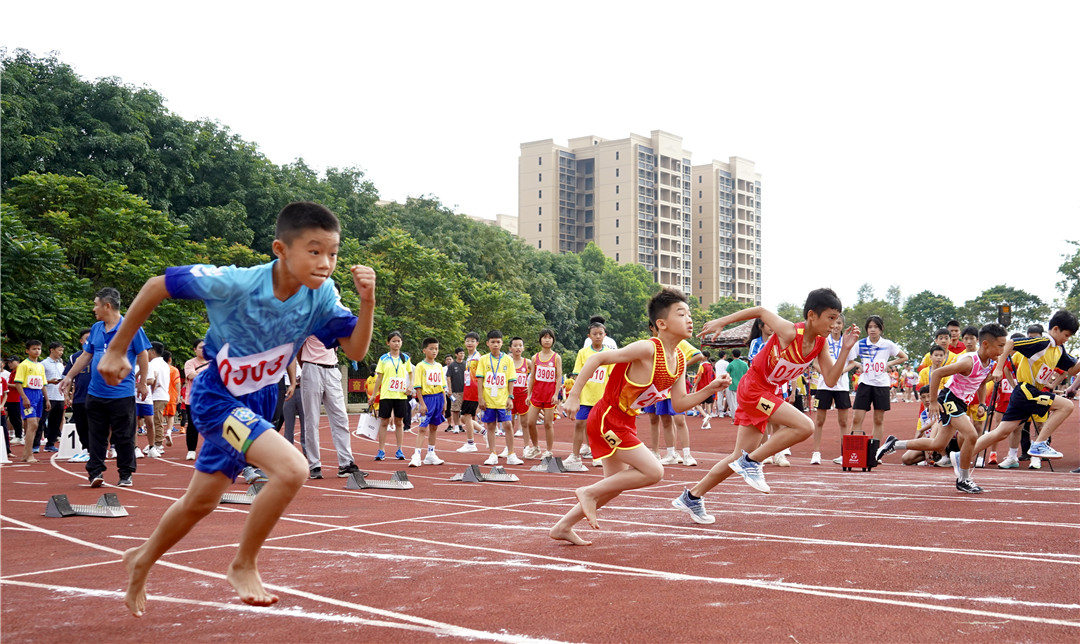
(1064, 320)
(426, 342)
(925, 388)
(597, 318)
(166, 355)
(664, 300)
(110, 296)
(969, 330)
(459, 350)
(989, 331)
(876, 319)
(952, 323)
(304, 215)
(494, 334)
(1016, 336)
(937, 347)
(545, 331)
(54, 345)
(517, 337)
(940, 332)
(1036, 328)
(83, 332)
(33, 343)
(158, 347)
(393, 334)
(472, 334)
(821, 299)
(735, 353)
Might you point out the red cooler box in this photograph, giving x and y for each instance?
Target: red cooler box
(858, 451)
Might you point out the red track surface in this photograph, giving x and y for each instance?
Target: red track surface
(830, 556)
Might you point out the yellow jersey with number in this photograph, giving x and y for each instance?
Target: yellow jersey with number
(593, 390)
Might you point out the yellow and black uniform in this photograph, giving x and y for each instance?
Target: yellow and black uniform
(1037, 362)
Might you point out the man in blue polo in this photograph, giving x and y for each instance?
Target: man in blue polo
(110, 408)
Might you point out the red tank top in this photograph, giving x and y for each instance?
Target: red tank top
(778, 366)
(546, 372)
(521, 382)
(630, 397)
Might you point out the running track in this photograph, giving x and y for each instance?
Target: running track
(895, 555)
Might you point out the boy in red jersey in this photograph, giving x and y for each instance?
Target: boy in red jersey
(787, 353)
(645, 372)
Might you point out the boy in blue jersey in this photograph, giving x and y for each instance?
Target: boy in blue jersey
(259, 318)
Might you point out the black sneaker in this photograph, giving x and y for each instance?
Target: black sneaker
(969, 487)
(125, 482)
(344, 472)
(888, 447)
(316, 473)
(97, 480)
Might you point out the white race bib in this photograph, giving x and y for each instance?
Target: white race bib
(784, 372)
(545, 373)
(245, 374)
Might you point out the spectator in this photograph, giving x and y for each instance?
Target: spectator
(54, 373)
(77, 397)
(322, 387)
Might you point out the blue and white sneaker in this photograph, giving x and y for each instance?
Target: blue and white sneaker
(888, 447)
(400, 455)
(694, 507)
(751, 472)
(380, 455)
(1043, 450)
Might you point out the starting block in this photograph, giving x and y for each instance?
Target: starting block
(552, 464)
(359, 481)
(497, 474)
(107, 506)
(242, 498)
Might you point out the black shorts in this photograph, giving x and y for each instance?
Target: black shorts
(711, 399)
(398, 407)
(952, 404)
(865, 395)
(824, 399)
(1026, 402)
(468, 407)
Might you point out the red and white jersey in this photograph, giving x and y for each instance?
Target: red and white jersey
(521, 385)
(545, 373)
(778, 366)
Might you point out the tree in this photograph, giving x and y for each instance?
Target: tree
(1069, 286)
(892, 296)
(723, 306)
(926, 312)
(1026, 308)
(864, 294)
(790, 312)
(892, 317)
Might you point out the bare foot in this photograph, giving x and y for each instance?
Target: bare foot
(135, 599)
(249, 586)
(588, 506)
(568, 534)
(29, 459)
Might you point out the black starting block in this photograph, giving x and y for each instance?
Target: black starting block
(107, 506)
(242, 498)
(552, 464)
(497, 474)
(398, 481)
(858, 450)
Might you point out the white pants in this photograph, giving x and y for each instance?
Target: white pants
(322, 386)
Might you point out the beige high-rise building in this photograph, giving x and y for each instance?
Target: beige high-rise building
(640, 200)
(726, 231)
(631, 196)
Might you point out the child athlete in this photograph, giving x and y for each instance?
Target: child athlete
(791, 349)
(259, 318)
(645, 371)
(544, 390)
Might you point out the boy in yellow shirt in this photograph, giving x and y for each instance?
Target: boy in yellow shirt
(592, 392)
(495, 376)
(429, 380)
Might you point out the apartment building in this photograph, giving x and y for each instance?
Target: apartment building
(726, 231)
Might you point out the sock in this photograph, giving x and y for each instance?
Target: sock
(431, 449)
(1014, 452)
(691, 496)
(470, 441)
(686, 451)
(671, 451)
(900, 445)
(417, 452)
(967, 473)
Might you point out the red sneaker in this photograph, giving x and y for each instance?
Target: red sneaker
(993, 458)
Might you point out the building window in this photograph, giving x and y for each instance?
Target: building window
(699, 268)
(540, 210)
(616, 155)
(699, 178)
(616, 223)
(616, 189)
(699, 288)
(699, 210)
(539, 160)
(540, 244)
(699, 194)
(699, 239)
(616, 257)
(540, 176)
(539, 194)
(699, 254)
(699, 224)
(540, 228)
(616, 172)
(616, 240)
(616, 206)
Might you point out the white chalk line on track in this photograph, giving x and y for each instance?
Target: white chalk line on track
(439, 628)
(842, 593)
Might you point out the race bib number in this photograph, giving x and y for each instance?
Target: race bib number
(612, 438)
(784, 371)
(35, 382)
(545, 373)
(235, 430)
(396, 385)
(494, 380)
(766, 406)
(1046, 375)
(434, 378)
(874, 367)
(245, 374)
(950, 408)
(1006, 386)
(600, 375)
(650, 396)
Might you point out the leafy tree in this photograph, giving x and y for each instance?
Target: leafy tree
(926, 312)
(864, 294)
(723, 306)
(228, 223)
(1026, 308)
(789, 311)
(892, 296)
(1069, 286)
(892, 317)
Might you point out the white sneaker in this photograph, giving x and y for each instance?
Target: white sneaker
(154, 452)
(1035, 464)
(546, 453)
(768, 461)
(111, 453)
(467, 447)
(668, 460)
(689, 461)
(504, 453)
(500, 432)
(597, 463)
(492, 460)
(585, 451)
(190, 456)
(514, 460)
(433, 459)
(518, 434)
(1009, 463)
(573, 459)
(706, 425)
(16, 441)
(815, 458)
(839, 460)
(139, 452)
(781, 460)
(678, 458)
(531, 452)
(943, 462)
(415, 460)
(657, 455)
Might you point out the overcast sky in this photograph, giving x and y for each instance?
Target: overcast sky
(924, 144)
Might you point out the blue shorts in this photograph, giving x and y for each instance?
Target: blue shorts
(495, 416)
(144, 409)
(228, 425)
(650, 409)
(583, 412)
(436, 405)
(664, 408)
(37, 404)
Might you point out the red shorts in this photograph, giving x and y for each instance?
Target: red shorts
(609, 429)
(521, 404)
(547, 404)
(756, 403)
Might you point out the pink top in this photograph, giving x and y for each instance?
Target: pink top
(315, 351)
(965, 385)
